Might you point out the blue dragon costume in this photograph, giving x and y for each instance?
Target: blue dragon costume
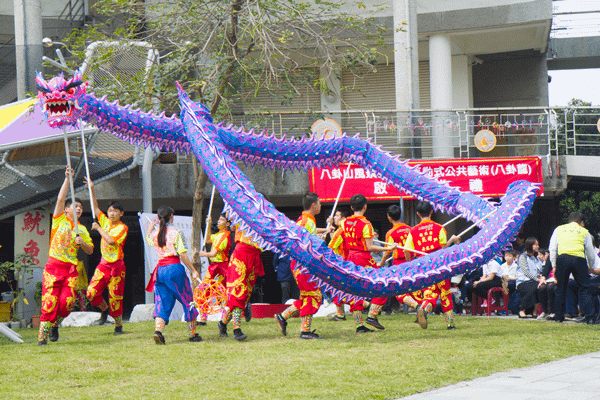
(219, 146)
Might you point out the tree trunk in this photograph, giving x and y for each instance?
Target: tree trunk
(198, 206)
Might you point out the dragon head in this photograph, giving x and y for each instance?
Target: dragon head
(60, 99)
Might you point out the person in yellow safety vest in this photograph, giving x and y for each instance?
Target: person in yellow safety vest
(570, 246)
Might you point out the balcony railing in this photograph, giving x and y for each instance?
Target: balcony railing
(425, 134)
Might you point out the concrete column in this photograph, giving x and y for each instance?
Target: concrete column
(462, 82)
(440, 78)
(28, 40)
(406, 67)
(406, 59)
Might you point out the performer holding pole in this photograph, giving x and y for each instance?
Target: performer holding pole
(428, 236)
(60, 272)
(110, 272)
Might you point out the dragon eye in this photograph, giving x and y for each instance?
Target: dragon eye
(71, 91)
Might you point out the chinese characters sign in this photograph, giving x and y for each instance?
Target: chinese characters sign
(32, 235)
(487, 177)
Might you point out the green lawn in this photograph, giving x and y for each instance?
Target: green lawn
(404, 359)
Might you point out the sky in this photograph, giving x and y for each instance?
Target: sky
(582, 84)
(576, 18)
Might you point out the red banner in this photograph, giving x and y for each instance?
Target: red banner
(486, 177)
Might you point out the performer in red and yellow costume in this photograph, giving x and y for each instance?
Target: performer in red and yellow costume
(358, 240)
(245, 266)
(110, 272)
(428, 236)
(397, 234)
(218, 254)
(60, 274)
(310, 294)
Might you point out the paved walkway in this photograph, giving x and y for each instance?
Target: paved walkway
(576, 377)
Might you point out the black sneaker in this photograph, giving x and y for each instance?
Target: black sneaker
(248, 312)
(222, 329)
(374, 323)
(118, 330)
(202, 323)
(422, 317)
(579, 320)
(451, 328)
(53, 334)
(238, 335)
(159, 338)
(571, 315)
(310, 335)
(282, 324)
(195, 338)
(337, 318)
(363, 329)
(103, 317)
(42, 343)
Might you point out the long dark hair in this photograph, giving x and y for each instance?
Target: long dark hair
(529, 242)
(164, 214)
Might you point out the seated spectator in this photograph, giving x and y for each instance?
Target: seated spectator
(519, 244)
(492, 272)
(529, 276)
(509, 281)
(466, 286)
(546, 290)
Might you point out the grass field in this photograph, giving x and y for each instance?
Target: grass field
(404, 359)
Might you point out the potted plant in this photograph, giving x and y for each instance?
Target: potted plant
(37, 297)
(13, 273)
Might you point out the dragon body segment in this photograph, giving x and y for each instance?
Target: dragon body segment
(217, 147)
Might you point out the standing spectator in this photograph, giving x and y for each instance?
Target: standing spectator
(289, 288)
(570, 245)
(529, 276)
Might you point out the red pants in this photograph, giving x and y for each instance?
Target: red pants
(111, 275)
(244, 268)
(441, 290)
(364, 259)
(310, 294)
(217, 271)
(416, 296)
(58, 289)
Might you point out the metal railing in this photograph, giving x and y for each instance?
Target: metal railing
(425, 134)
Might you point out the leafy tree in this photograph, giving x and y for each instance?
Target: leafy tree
(224, 52)
(586, 202)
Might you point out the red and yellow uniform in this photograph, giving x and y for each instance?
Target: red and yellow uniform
(429, 236)
(60, 274)
(245, 266)
(220, 262)
(398, 235)
(310, 294)
(356, 229)
(110, 272)
(337, 243)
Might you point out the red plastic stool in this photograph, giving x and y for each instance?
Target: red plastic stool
(476, 304)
